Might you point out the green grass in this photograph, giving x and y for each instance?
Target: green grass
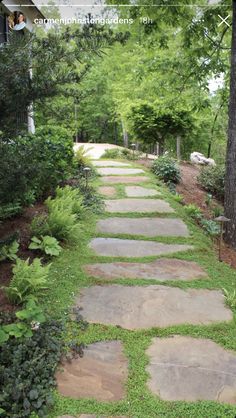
(67, 277)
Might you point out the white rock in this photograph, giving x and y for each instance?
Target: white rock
(198, 158)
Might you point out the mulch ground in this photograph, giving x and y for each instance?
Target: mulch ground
(192, 192)
(21, 225)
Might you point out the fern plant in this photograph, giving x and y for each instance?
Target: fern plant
(67, 199)
(49, 245)
(28, 280)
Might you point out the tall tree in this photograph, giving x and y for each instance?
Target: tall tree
(230, 180)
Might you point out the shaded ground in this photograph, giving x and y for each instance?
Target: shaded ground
(190, 189)
(192, 192)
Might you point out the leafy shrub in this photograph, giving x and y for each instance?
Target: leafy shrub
(28, 320)
(67, 199)
(28, 279)
(49, 245)
(212, 179)
(9, 251)
(166, 170)
(61, 224)
(9, 210)
(178, 198)
(230, 297)
(63, 213)
(39, 225)
(111, 153)
(34, 164)
(91, 199)
(81, 159)
(193, 211)
(27, 368)
(122, 153)
(211, 227)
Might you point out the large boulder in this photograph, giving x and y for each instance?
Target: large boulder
(198, 158)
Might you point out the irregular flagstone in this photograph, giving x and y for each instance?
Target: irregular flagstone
(139, 307)
(100, 374)
(115, 247)
(124, 179)
(108, 163)
(161, 269)
(191, 369)
(138, 205)
(107, 190)
(149, 227)
(113, 171)
(137, 191)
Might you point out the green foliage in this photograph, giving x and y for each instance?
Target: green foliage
(39, 225)
(81, 159)
(211, 227)
(9, 210)
(230, 296)
(178, 198)
(91, 199)
(193, 211)
(166, 170)
(63, 212)
(47, 244)
(9, 251)
(112, 153)
(27, 368)
(61, 223)
(47, 158)
(212, 179)
(217, 211)
(28, 279)
(67, 199)
(28, 320)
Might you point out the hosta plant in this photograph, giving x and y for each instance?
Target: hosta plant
(49, 245)
(9, 251)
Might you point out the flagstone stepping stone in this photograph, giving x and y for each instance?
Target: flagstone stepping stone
(115, 247)
(118, 171)
(161, 269)
(141, 307)
(107, 163)
(137, 191)
(100, 374)
(149, 227)
(107, 190)
(124, 179)
(138, 205)
(191, 369)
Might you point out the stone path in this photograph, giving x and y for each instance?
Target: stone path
(150, 227)
(161, 269)
(115, 247)
(137, 191)
(180, 367)
(119, 171)
(111, 163)
(124, 179)
(191, 369)
(140, 307)
(107, 191)
(138, 205)
(100, 374)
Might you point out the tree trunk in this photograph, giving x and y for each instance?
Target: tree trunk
(230, 180)
(178, 148)
(125, 135)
